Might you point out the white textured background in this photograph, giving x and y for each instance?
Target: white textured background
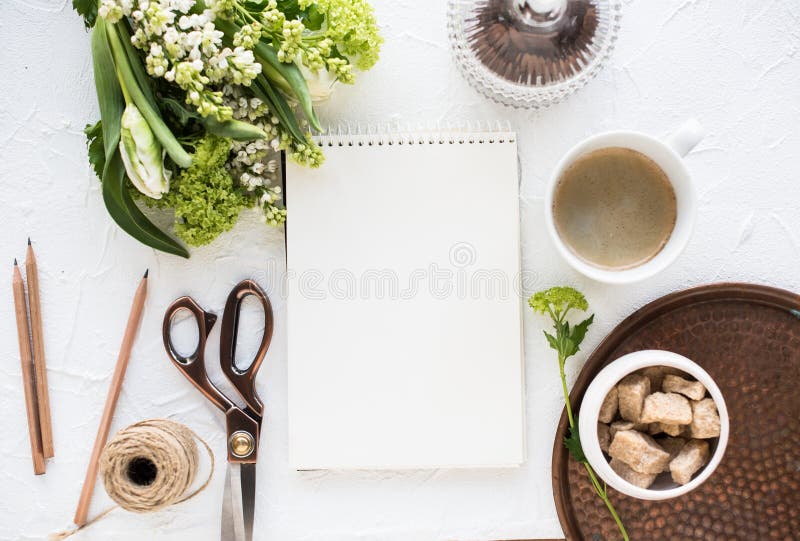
(733, 64)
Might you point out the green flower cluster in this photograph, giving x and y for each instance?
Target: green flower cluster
(205, 199)
(351, 25)
(558, 301)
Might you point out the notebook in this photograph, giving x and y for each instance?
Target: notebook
(404, 307)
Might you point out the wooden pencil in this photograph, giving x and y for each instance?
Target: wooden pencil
(39, 364)
(28, 384)
(111, 401)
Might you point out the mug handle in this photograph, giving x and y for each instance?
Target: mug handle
(685, 138)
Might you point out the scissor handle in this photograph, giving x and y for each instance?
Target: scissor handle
(193, 366)
(244, 379)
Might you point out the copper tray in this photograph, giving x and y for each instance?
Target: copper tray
(748, 338)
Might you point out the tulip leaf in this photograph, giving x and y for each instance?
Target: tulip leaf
(109, 93)
(135, 62)
(263, 90)
(128, 216)
(294, 76)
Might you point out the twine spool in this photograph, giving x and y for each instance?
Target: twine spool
(150, 465)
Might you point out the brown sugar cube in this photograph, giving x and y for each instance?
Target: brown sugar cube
(673, 446)
(705, 419)
(604, 435)
(672, 430)
(632, 390)
(618, 426)
(655, 374)
(669, 408)
(665, 428)
(692, 457)
(639, 451)
(690, 389)
(608, 410)
(641, 480)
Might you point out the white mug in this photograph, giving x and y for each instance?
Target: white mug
(668, 154)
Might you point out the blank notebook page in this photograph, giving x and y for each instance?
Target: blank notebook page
(404, 311)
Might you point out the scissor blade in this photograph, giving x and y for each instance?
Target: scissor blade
(227, 510)
(233, 522)
(248, 491)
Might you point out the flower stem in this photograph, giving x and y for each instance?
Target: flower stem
(604, 496)
(601, 491)
(566, 392)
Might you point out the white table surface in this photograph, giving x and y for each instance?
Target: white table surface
(733, 65)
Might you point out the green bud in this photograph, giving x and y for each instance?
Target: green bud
(142, 154)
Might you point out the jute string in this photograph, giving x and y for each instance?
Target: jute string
(149, 466)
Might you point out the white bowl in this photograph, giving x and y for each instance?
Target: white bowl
(605, 380)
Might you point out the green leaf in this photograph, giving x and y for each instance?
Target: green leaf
(568, 347)
(118, 201)
(86, 9)
(128, 216)
(182, 115)
(314, 18)
(293, 76)
(573, 443)
(552, 340)
(233, 129)
(97, 154)
(276, 78)
(579, 332)
(135, 62)
(263, 90)
(109, 93)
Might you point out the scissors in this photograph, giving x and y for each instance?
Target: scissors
(243, 424)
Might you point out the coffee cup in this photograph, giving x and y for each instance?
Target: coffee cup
(668, 155)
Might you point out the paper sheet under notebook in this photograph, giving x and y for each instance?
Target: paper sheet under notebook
(404, 310)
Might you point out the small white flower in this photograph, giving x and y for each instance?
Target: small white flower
(181, 5)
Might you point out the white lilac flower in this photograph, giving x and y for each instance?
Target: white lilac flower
(248, 36)
(243, 67)
(292, 37)
(181, 5)
(157, 18)
(155, 62)
(111, 10)
(210, 39)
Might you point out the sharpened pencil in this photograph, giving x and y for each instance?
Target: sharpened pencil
(39, 364)
(134, 320)
(28, 384)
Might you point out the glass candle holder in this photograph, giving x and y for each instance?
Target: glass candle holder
(532, 53)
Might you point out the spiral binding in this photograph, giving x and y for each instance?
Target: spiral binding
(390, 134)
